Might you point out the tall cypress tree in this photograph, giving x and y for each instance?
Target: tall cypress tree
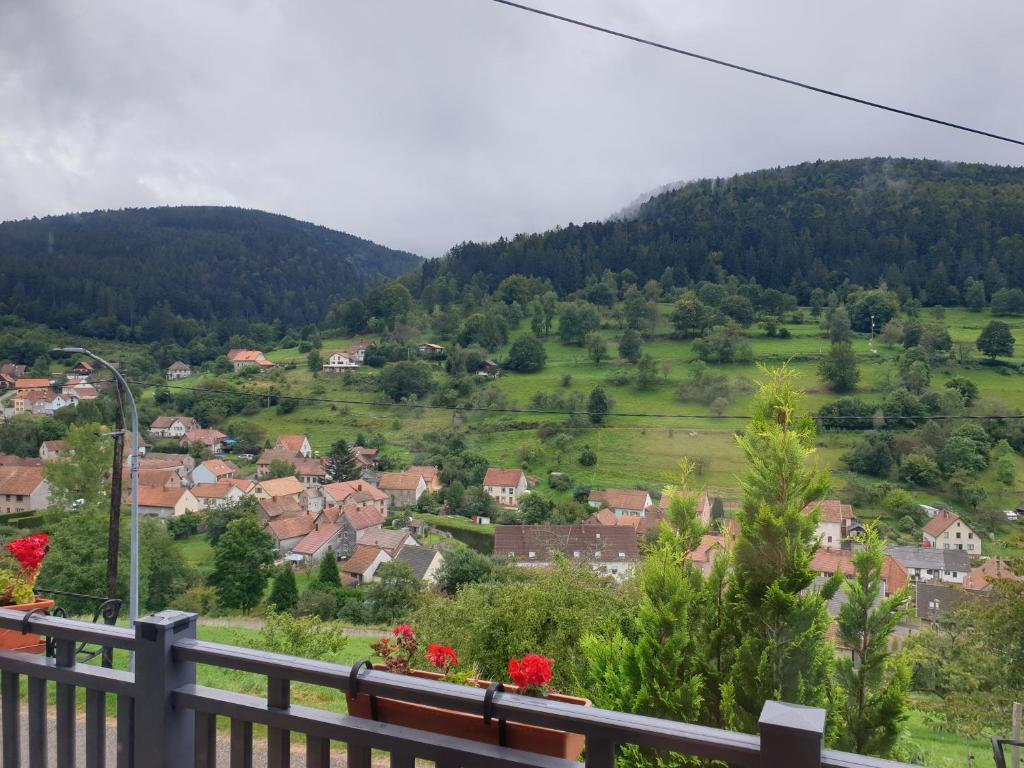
(874, 682)
(284, 594)
(328, 574)
(778, 632)
(341, 464)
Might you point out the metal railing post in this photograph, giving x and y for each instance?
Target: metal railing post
(792, 735)
(164, 735)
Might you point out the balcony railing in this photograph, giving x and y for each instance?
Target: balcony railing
(165, 719)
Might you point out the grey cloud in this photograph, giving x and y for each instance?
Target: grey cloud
(422, 123)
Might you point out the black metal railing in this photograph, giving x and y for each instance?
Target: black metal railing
(106, 609)
(164, 718)
(998, 753)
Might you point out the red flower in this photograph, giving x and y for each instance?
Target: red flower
(404, 631)
(533, 671)
(442, 657)
(30, 551)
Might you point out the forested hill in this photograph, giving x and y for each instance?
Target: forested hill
(922, 224)
(93, 272)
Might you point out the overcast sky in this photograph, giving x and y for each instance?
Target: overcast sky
(423, 123)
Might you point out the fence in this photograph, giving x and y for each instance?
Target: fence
(165, 719)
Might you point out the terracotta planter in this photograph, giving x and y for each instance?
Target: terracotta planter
(529, 738)
(13, 640)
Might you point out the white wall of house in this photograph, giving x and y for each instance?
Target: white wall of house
(957, 536)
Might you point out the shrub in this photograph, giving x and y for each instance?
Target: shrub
(322, 604)
(305, 636)
(920, 470)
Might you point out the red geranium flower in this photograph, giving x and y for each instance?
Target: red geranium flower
(532, 672)
(403, 630)
(30, 551)
(442, 657)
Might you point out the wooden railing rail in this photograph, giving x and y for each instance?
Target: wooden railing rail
(168, 721)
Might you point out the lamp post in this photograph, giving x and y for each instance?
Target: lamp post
(133, 567)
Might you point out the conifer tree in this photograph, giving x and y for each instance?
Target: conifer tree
(341, 464)
(778, 625)
(328, 574)
(874, 682)
(284, 594)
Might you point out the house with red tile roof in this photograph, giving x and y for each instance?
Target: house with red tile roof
(22, 489)
(211, 439)
(269, 456)
(242, 358)
(323, 541)
(621, 502)
(31, 385)
(282, 487)
(172, 426)
(297, 445)
(403, 488)
(360, 519)
(367, 459)
(390, 541)
(361, 567)
(166, 502)
(213, 471)
(211, 495)
(611, 550)
(178, 370)
(431, 476)
(827, 562)
(836, 522)
(980, 578)
(947, 531)
(53, 449)
(277, 509)
(358, 492)
(287, 532)
(311, 473)
(505, 486)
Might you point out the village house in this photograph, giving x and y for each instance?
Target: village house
(994, 569)
(54, 449)
(931, 600)
(367, 459)
(289, 531)
(180, 463)
(319, 543)
(22, 489)
(505, 486)
(40, 402)
(166, 502)
(82, 368)
(431, 476)
(338, 362)
(6, 382)
(297, 445)
(13, 371)
(827, 562)
(311, 473)
(610, 550)
(211, 439)
(424, 561)
(243, 358)
(621, 502)
(213, 471)
(928, 563)
(79, 392)
(359, 519)
(489, 368)
(172, 426)
(362, 567)
(357, 349)
(281, 488)
(389, 540)
(836, 523)
(641, 525)
(357, 492)
(704, 504)
(280, 509)
(31, 385)
(158, 478)
(947, 531)
(430, 350)
(211, 495)
(403, 488)
(178, 370)
(705, 555)
(269, 456)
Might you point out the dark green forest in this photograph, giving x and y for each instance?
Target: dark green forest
(924, 227)
(148, 273)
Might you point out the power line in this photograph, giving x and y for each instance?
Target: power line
(552, 412)
(758, 72)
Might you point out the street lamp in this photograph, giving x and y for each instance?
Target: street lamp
(133, 583)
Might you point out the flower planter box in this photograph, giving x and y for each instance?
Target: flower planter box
(529, 738)
(13, 640)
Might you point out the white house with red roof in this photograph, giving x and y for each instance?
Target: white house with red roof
(211, 495)
(836, 522)
(172, 426)
(338, 362)
(403, 488)
(164, 502)
(22, 489)
(213, 471)
(947, 531)
(211, 439)
(621, 502)
(357, 492)
(297, 445)
(323, 541)
(505, 486)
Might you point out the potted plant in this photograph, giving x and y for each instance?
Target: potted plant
(531, 676)
(17, 576)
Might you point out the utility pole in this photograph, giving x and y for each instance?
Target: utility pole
(117, 472)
